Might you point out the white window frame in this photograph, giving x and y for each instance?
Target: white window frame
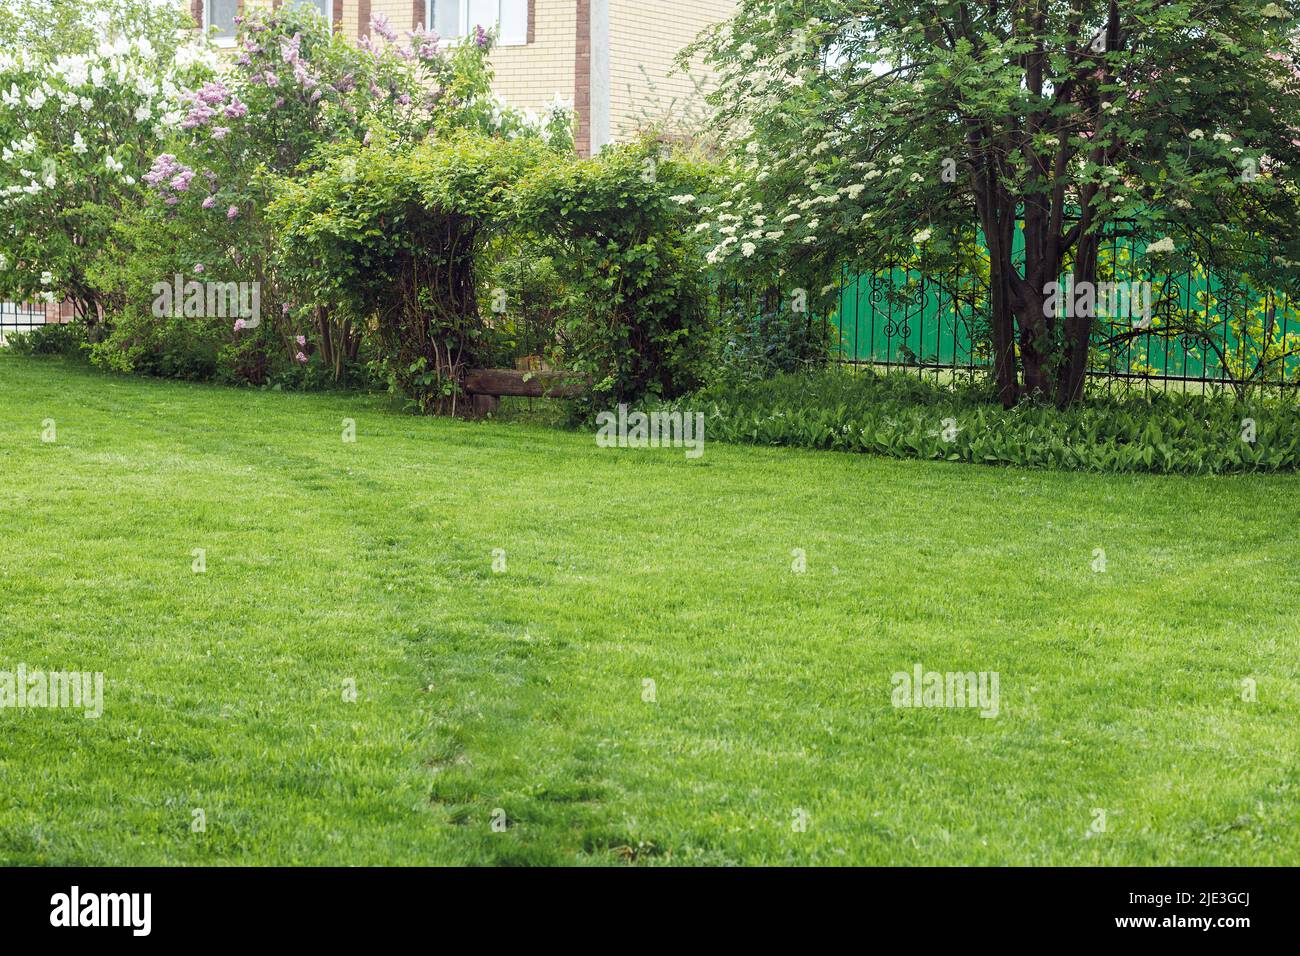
(207, 25)
(465, 26)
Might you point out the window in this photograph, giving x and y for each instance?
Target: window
(220, 14)
(458, 18)
(324, 7)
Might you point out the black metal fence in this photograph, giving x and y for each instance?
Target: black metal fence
(16, 318)
(1193, 330)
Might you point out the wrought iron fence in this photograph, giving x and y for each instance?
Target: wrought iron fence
(16, 317)
(1197, 331)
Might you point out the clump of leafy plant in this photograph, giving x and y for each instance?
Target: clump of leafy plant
(900, 416)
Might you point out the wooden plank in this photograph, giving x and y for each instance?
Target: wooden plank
(509, 381)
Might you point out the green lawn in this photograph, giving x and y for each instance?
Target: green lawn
(523, 690)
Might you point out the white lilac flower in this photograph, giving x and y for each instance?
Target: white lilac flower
(1161, 245)
(47, 278)
(79, 144)
(113, 165)
(36, 99)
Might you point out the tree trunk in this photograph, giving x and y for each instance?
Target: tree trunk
(1003, 334)
(1078, 328)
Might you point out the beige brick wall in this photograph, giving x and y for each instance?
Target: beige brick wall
(400, 13)
(528, 77)
(648, 34)
(645, 36)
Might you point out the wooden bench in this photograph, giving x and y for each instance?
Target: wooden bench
(486, 386)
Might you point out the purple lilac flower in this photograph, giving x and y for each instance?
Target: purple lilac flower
(199, 116)
(164, 167)
(379, 24)
(481, 37)
(425, 43)
(219, 132)
(236, 108)
(213, 93)
(209, 202)
(291, 50)
(232, 212)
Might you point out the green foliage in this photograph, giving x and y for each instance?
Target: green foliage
(67, 339)
(635, 308)
(393, 236)
(899, 416)
(778, 341)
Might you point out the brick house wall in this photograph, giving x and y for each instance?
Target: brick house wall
(611, 59)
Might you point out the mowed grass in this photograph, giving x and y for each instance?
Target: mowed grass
(523, 692)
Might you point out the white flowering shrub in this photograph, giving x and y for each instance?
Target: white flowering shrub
(79, 128)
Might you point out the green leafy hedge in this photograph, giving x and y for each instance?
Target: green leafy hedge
(901, 417)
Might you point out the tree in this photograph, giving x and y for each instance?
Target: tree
(866, 128)
(84, 101)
